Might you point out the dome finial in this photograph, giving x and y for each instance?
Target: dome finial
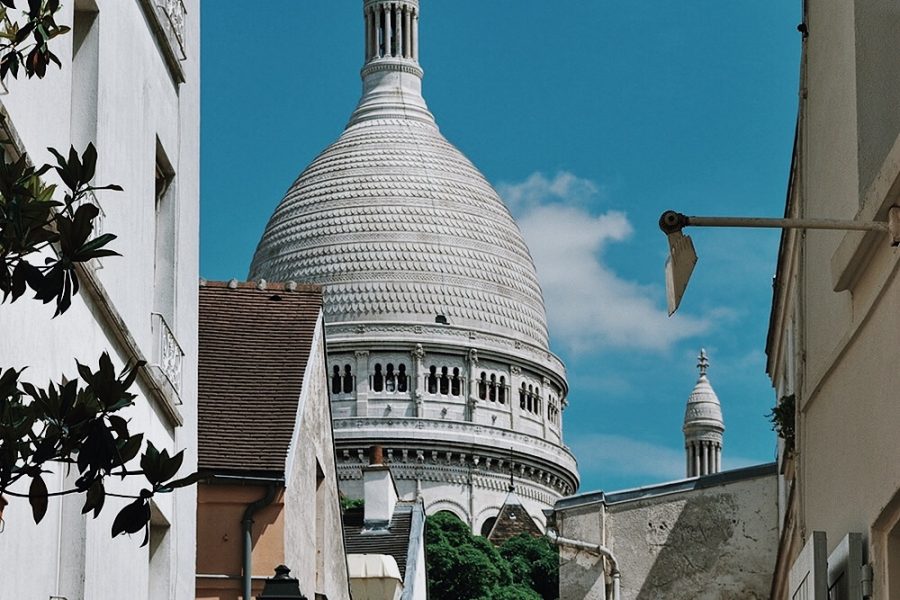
(703, 362)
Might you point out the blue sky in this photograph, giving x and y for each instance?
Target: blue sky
(590, 121)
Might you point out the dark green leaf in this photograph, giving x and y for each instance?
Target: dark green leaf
(94, 498)
(89, 163)
(132, 518)
(37, 497)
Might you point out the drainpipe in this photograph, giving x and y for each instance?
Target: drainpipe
(595, 549)
(247, 530)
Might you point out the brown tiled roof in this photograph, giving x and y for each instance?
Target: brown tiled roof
(512, 521)
(254, 345)
(393, 542)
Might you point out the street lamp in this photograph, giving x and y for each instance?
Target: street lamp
(282, 586)
(682, 256)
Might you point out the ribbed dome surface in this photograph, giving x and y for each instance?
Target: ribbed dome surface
(703, 407)
(401, 227)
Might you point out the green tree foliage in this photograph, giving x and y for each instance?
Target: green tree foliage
(468, 567)
(534, 563)
(76, 422)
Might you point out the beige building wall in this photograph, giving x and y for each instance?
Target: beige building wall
(220, 509)
(836, 323)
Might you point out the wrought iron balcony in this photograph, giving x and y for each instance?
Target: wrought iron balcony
(167, 353)
(167, 18)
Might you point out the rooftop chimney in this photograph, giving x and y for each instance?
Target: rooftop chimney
(379, 491)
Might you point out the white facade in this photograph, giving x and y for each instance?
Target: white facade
(130, 84)
(435, 325)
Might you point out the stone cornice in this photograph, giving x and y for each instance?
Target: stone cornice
(392, 64)
(461, 438)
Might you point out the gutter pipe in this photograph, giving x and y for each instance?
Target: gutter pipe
(247, 531)
(555, 538)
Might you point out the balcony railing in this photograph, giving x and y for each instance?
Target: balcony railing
(167, 18)
(173, 13)
(167, 353)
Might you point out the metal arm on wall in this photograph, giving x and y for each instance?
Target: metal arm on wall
(682, 256)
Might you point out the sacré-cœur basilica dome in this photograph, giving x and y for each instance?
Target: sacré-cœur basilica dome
(435, 325)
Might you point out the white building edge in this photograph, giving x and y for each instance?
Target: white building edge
(130, 83)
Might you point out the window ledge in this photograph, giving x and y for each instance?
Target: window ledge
(852, 254)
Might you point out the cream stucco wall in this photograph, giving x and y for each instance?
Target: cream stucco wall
(313, 533)
(136, 106)
(835, 321)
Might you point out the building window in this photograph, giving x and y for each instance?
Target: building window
(164, 238)
(456, 383)
(348, 380)
(336, 380)
(402, 382)
(378, 379)
(432, 380)
(482, 386)
(501, 392)
(445, 382)
(342, 381)
(390, 379)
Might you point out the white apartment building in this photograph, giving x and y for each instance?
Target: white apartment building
(129, 83)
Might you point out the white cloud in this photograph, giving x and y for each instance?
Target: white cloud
(608, 454)
(537, 190)
(589, 306)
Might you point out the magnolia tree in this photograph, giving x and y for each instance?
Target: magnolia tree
(46, 232)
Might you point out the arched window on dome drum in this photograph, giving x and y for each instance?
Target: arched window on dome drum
(522, 393)
(456, 383)
(402, 381)
(501, 391)
(482, 386)
(378, 379)
(390, 379)
(444, 382)
(432, 380)
(487, 526)
(348, 380)
(530, 397)
(492, 392)
(336, 380)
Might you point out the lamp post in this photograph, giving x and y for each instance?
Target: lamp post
(682, 256)
(282, 586)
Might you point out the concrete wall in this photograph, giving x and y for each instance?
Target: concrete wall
(134, 106)
(313, 535)
(714, 543)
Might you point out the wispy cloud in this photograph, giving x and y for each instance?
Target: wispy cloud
(589, 306)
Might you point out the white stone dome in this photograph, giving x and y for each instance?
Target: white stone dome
(399, 226)
(703, 411)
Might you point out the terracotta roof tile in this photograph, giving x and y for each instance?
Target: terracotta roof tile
(254, 346)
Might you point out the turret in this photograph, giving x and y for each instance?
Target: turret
(703, 426)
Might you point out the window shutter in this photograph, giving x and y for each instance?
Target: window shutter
(808, 577)
(844, 569)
